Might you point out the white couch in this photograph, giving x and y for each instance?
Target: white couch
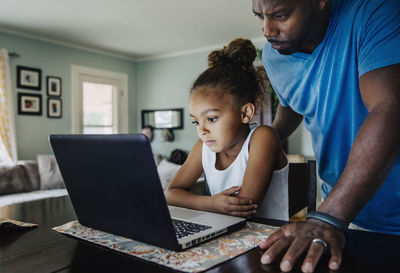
(30, 180)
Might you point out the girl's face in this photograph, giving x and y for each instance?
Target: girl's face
(217, 119)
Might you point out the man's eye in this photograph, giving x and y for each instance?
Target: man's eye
(259, 15)
(212, 119)
(195, 122)
(280, 15)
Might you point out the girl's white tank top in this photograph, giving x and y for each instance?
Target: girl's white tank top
(276, 201)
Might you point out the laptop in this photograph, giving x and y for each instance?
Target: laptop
(113, 184)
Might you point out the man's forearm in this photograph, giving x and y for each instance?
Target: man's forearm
(286, 121)
(372, 155)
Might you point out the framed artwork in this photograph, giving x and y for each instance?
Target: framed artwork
(29, 78)
(29, 104)
(53, 86)
(163, 118)
(54, 108)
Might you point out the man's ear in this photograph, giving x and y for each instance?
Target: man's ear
(322, 4)
(247, 112)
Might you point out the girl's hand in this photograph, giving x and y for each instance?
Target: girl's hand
(226, 202)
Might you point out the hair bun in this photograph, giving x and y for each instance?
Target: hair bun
(218, 57)
(240, 52)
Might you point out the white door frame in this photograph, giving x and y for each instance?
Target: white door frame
(78, 71)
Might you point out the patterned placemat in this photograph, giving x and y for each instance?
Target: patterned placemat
(195, 259)
(8, 224)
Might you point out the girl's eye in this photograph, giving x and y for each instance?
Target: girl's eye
(212, 119)
(195, 122)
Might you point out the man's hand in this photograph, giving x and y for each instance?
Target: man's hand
(297, 238)
(226, 202)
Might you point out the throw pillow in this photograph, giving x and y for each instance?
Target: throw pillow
(166, 171)
(19, 177)
(50, 176)
(157, 158)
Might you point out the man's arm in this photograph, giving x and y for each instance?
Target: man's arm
(373, 153)
(286, 121)
(375, 149)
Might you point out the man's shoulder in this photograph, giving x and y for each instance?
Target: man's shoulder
(365, 9)
(363, 5)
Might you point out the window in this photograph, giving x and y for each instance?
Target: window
(99, 108)
(100, 103)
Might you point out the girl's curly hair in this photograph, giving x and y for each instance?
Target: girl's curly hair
(231, 69)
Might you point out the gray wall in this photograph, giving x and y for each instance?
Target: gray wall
(300, 142)
(55, 60)
(153, 84)
(165, 83)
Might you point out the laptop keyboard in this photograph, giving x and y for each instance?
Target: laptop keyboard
(184, 229)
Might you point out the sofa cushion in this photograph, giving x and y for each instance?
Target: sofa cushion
(50, 176)
(166, 171)
(20, 177)
(157, 158)
(22, 197)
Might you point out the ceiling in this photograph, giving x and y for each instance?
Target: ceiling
(134, 29)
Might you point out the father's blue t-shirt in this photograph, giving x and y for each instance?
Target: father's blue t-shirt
(362, 35)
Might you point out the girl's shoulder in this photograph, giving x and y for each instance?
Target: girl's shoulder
(265, 142)
(265, 138)
(264, 132)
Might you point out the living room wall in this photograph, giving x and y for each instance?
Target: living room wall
(165, 83)
(153, 84)
(56, 60)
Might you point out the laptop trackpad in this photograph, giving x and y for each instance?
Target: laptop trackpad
(182, 213)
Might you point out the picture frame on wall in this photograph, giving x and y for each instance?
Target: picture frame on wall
(53, 86)
(29, 104)
(54, 108)
(29, 78)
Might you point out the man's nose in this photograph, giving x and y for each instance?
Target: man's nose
(269, 28)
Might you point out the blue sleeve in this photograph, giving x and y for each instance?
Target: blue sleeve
(267, 64)
(282, 101)
(379, 40)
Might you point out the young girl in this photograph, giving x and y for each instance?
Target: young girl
(246, 170)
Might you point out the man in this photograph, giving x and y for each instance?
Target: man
(336, 63)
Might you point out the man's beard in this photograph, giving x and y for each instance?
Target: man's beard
(293, 46)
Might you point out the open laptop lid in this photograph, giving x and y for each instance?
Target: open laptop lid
(104, 173)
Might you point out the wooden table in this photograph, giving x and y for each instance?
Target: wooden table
(44, 250)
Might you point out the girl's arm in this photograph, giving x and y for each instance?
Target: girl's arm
(265, 156)
(178, 191)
